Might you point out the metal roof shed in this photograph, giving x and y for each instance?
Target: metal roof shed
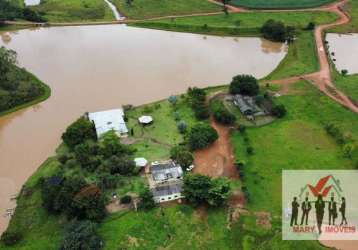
(108, 120)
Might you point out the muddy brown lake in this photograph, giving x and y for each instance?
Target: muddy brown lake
(345, 49)
(91, 68)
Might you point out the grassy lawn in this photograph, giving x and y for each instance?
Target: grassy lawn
(279, 4)
(141, 9)
(300, 59)
(298, 141)
(239, 23)
(75, 11)
(154, 141)
(348, 84)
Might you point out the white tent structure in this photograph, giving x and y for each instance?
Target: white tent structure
(108, 120)
(145, 119)
(141, 162)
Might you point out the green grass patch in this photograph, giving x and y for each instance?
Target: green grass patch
(237, 24)
(300, 59)
(75, 11)
(347, 84)
(298, 141)
(280, 4)
(141, 9)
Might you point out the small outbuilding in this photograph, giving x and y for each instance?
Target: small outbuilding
(109, 120)
(145, 120)
(140, 162)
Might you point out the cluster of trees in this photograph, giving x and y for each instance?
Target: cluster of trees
(244, 85)
(201, 135)
(182, 156)
(197, 99)
(107, 159)
(81, 235)
(277, 31)
(221, 114)
(10, 10)
(200, 189)
(17, 86)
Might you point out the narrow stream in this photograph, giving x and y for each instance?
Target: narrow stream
(117, 15)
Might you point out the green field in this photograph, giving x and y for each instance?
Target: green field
(298, 141)
(75, 11)
(239, 23)
(141, 9)
(348, 84)
(279, 4)
(300, 59)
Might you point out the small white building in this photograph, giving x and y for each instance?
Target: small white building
(109, 120)
(140, 162)
(145, 119)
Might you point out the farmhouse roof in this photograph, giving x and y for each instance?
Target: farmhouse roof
(109, 120)
(167, 190)
(165, 171)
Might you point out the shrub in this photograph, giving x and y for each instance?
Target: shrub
(11, 238)
(242, 129)
(250, 150)
(78, 132)
(126, 199)
(201, 136)
(182, 127)
(310, 26)
(279, 111)
(277, 31)
(245, 85)
(182, 156)
(344, 72)
(173, 100)
(197, 98)
(221, 114)
(81, 235)
(146, 200)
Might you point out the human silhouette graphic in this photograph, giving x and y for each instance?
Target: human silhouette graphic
(319, 206)
(332, 211)
(342, 209)
(306, 207)
(294, 214)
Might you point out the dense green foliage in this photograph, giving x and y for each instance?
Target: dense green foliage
(146, 200)
(277, 31)
(17, 86)
(202, 135)
(244, 85)
(221, 114)
(81, 235)
(9, 238)
(279, 111)
(199, 189)
(279, 4)
(11, 10)
(78, 132)
(197, 99)
(182, 156)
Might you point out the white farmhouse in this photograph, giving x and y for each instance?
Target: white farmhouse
(109, 120)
